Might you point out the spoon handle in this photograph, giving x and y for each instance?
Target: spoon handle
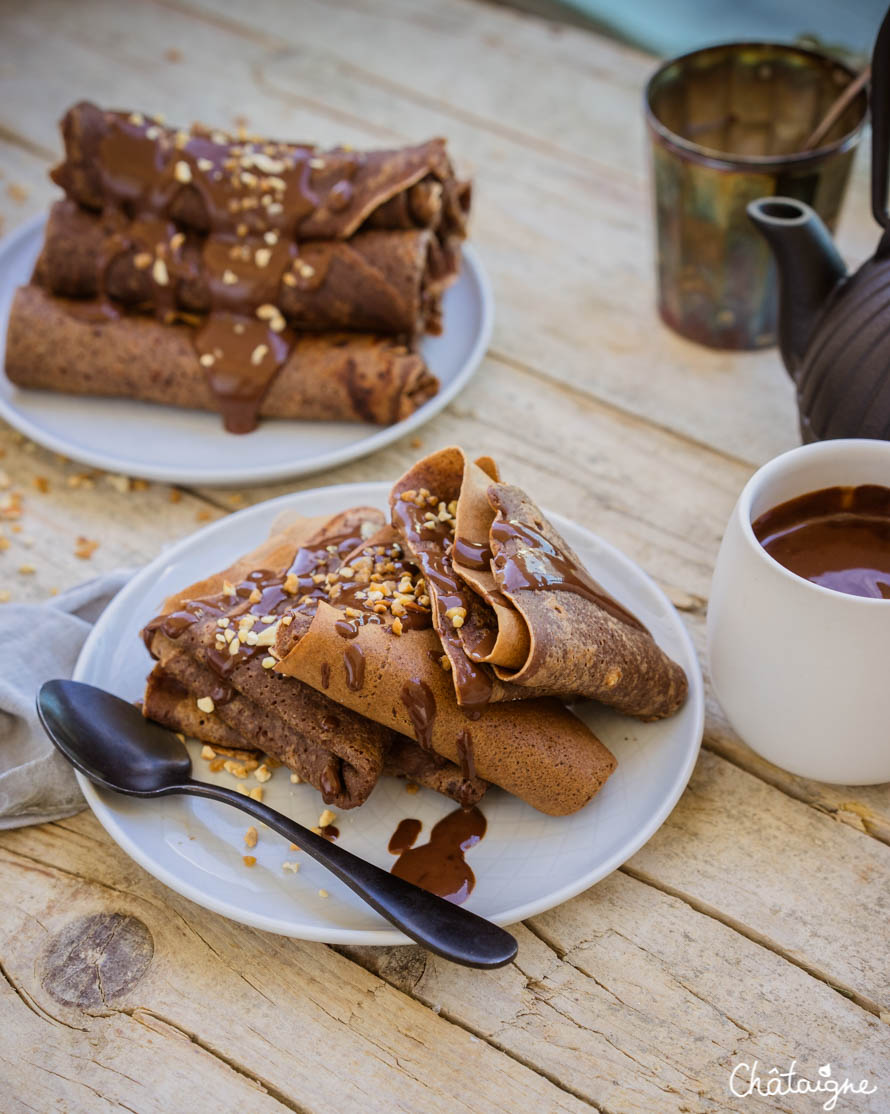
(445, 928)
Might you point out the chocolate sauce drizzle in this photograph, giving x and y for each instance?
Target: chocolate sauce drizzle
(537, 564)
(261, 594)
(439, 866)
(476, 556)
(354, 666)
(420, 703)
(431, 544)
(465, 754)
(249, 199)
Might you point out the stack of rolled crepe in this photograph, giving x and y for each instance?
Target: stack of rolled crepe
(442, 646)
(255, 278)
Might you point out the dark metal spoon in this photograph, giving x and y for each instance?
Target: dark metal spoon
(111, 742)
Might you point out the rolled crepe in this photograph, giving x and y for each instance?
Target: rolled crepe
(387, 282)
(168, 702)
(208, 181)
(76, 347)
(535, 749)
(193, 638)
(340, 753)
(537, 617)
(173, 704)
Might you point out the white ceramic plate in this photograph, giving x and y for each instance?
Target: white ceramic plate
(526, 863)
(187, 446)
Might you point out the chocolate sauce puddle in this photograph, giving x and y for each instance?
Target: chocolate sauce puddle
(404, 836)
(439, 866)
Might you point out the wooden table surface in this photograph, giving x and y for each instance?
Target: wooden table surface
(753, 926)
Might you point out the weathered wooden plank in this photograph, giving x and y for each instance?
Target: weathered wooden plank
(133, 1061)
(313, 1028)
(25, 190)
(780, 872)
(639, 1003)
(49, 508)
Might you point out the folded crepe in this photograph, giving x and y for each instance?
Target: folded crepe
(206, 180)
(512, 602)
(213, 643)
(387, 282)
(370, 645)
(87, 348)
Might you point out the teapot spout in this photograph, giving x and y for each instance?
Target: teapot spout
(809, 269)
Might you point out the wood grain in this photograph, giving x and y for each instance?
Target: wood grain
(754, 925)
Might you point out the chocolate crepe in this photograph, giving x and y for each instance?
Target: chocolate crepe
(372, 648)
(170, 703)
(378, 281)
(243, 244)
(527, 610)
(173, 704)
(202, 178)
(215, 639)
(66, 345)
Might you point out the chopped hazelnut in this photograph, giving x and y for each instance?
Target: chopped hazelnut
(159, 273)
(256, 793)
(205, 704)
(250, 837)
(290, 866)
(249, 860)
(182, 172)
(327, 817)
(207, 752)
(262, 773)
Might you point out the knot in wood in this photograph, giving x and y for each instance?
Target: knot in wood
(96, 959)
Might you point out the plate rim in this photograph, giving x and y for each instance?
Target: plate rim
(330, 934)
(265, 473)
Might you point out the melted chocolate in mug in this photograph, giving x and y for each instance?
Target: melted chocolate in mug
(838, 537)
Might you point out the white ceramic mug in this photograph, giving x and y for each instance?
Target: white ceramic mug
(802, 671)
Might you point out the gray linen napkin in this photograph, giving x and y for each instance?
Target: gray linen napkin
(38, 642)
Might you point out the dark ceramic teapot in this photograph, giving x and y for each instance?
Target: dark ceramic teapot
(834, 327)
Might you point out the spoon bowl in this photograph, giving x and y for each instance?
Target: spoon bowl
(121, 750)
(112, 744)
